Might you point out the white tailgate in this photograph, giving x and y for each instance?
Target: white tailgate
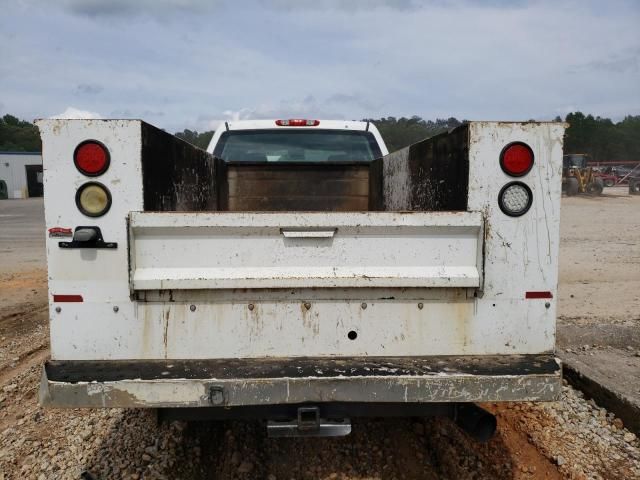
(296, 250)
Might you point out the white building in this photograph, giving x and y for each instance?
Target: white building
(21, 172)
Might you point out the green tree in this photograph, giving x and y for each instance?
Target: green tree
(401, 132)
(18, 136)
(194, 138)
(603, 139)
(629, 138)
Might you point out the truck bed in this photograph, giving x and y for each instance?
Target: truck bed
(431, 175)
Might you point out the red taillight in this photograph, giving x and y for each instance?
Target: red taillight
(516, 159)
(297, 122)
(91, 158)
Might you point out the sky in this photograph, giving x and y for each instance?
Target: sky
(193, 64)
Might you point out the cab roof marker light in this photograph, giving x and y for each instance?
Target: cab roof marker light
(297, 122)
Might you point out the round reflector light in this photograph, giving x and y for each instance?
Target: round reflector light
(93, 199)
(515, 199)
(91, 158)
(516, 159)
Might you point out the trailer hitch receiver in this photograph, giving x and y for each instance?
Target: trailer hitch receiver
(309, 424)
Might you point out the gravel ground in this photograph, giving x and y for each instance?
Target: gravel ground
(23, 316)
(584, 440)
(569, 439)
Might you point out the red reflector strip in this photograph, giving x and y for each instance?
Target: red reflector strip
(538, 295)
(67, 298)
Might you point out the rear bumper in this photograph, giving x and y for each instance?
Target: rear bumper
(281, 381)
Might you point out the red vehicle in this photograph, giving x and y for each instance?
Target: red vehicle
(616, 175)
(610, 179)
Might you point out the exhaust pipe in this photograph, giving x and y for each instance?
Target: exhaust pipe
(475, 421)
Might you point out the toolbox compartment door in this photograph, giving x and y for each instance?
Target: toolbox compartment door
(229, 250)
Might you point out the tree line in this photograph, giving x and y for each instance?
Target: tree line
(599, 137)
(603, 139)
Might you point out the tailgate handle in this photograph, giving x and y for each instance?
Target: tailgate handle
(291, 233)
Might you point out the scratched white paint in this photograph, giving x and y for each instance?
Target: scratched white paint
(285, 390)
(521, 254)
(397, 183)
(216, 252)
(252, 250)
(385, 327)
(100, 276)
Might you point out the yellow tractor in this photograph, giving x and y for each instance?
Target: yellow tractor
(577, 177)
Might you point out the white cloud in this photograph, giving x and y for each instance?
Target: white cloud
(196, 63)
(307, 107)
(75, 113)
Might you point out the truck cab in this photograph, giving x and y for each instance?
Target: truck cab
(299, 140)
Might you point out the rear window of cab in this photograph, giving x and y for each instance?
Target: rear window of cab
(297, 146)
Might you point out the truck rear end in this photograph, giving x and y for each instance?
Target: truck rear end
(415, 283)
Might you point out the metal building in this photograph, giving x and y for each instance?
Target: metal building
(20, 174)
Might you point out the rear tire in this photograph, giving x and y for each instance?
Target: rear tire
(572, 186)
(595, 187)
(634, 187)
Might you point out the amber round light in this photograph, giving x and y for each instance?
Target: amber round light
(93, 199)
(516, 159)
(91, 158)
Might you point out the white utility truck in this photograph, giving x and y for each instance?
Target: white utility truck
(298, 273)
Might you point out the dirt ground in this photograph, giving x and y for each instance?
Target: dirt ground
(23, 283)
(573, 439)
(600, 259)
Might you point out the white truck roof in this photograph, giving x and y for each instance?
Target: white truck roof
(322, 125)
